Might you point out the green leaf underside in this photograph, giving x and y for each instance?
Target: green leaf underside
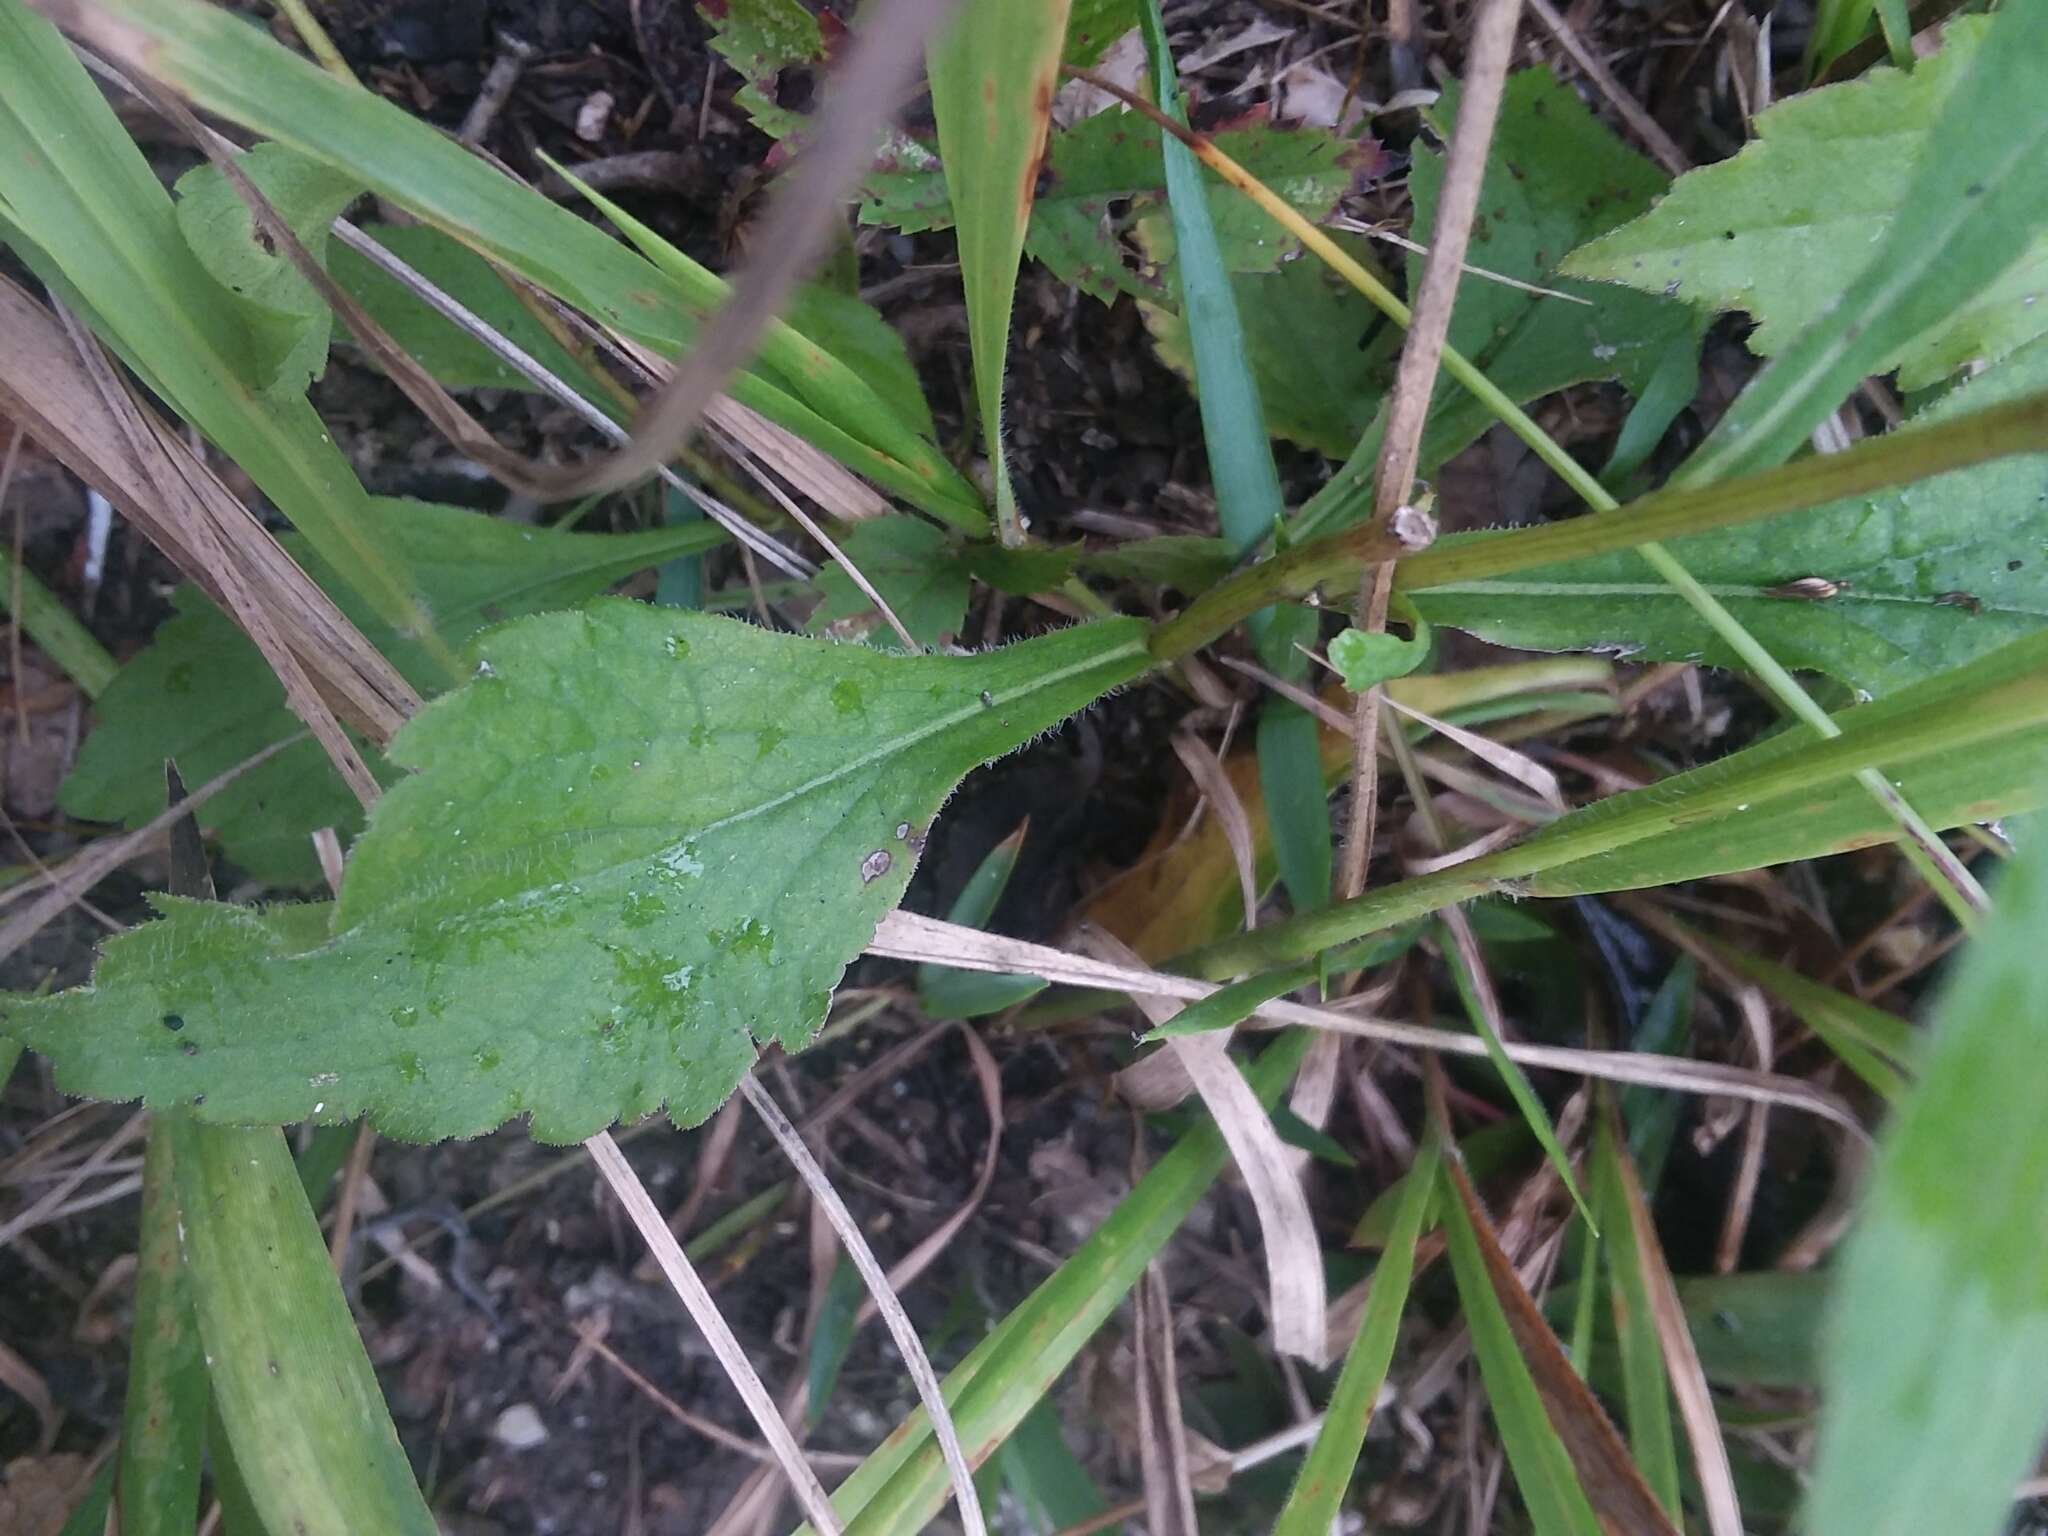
(1556, 176)
(636, 839)
(202, 695)
(1938, 1341)
(913, 566)
(288, 322)
(1102, 160)
(1779, 229)
(1931, 575)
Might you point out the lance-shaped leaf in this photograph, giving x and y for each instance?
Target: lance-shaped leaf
(993, 73)
(637, 841)
(1877, 590)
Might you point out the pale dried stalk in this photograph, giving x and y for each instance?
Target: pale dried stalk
(696, 1299)
(907, 936)
(1756, 1015)
(1298, 1297)
(1162, 1433)
(1682, 1361)
(51, 1202)
(1486, 68)
(1206, 770)
(894, 1318)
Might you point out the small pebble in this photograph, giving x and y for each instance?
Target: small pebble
(519, 1428)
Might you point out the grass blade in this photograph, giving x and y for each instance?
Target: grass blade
(224, 65)
(1312, 1507)
(1646, 1394)
(1873, 1044)
(1248, 501)
(992, 74)
(1569, 1463)
(163, 1425)
(1938, 1342)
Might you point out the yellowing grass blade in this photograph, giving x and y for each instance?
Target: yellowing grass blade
(993, 74)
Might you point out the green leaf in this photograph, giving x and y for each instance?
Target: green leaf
(1938, 1338)
(1646, 1390)
(288, 322)
(202, 695)
(760, 39)
(1312, 1507)
(914, 567)
(311, 1436)
(1555, 177)
(1924, 577)
(638, 841)
(993, 71)
(1091, 169)
(449, 353)
(1046, 1477)
(1777, 230)
(1093, 26)
(1366, 659)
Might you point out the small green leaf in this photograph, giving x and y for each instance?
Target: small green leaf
(915, 568)
(637, 841)
(760, 39)
(1938, 1339)
(1779, 229)
(947, 992)
(202, 695)
(287, 320)
(1366, 659)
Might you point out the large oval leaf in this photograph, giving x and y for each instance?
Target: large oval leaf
(638, 840)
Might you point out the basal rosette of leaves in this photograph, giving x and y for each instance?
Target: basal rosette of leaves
(636, 842)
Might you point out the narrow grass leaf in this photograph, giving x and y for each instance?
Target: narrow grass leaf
(1046, 1477)
(993, 74)
(1646, 1394)
(1963, 746)
(227, 67)
(1654, 1306)
(1938, 1341)
(947, 993)
(100, 224)
(1475, 990)
(1877, 1046)
(163, 1425)
(1549, 1486)
(1311, 1509)
(1571, 1462)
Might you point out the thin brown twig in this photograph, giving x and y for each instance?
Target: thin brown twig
(1662, 147)
(1486, 67)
